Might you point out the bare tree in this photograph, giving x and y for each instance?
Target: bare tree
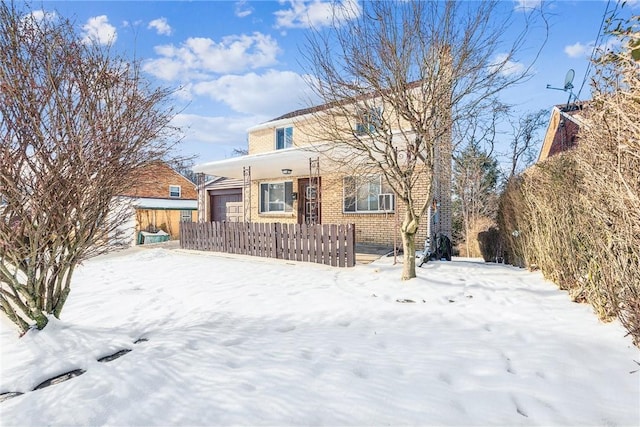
(475, 179)
(524, 140)
(399, 78)
(76, 122)
(239, 152)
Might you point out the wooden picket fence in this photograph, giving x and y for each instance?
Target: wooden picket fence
(328, 244)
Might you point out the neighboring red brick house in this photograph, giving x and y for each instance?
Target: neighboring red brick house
(162, 199)
(562, 132)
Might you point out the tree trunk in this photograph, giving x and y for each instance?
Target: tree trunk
(408, 231)
(409, 257)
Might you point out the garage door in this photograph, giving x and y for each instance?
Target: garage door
(226, 207)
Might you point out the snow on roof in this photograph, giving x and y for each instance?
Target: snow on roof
(150, 203)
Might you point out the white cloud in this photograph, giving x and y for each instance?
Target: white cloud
(98, 29)
(198, 56)
(41, 15)
(243, 9)
(35, 17)
(161, 26)
(269, 94)
(578, 49)
(129, 24)
(316, 13)
(506, 66)
(527, 5)
(228, 131)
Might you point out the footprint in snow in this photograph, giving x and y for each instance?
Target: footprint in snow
(445, 378)
(519, 408)
(233, 341)
(248, 387)
(508, 366)
(232, 364)
(360, 372)
(286, 328)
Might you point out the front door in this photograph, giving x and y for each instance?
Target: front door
(308, 202)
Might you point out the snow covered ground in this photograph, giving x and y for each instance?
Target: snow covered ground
(234, 340)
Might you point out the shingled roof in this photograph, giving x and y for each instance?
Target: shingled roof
(321, 107)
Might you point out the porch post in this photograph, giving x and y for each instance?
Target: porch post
(202, 198)
(246, 192)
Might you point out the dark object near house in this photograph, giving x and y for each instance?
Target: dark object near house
(491, 245)
(443, 248)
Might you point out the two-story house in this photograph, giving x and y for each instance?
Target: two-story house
(288, 177)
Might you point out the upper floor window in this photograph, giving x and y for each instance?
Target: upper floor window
(369, 120)
(174, 191)
(276, 197)
(284, 138)
(367, 194)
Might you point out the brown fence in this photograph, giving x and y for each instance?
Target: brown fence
(323, 243)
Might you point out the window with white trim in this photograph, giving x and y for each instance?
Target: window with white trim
(174, 191)
(284, 138)
(369, 120)
(362, 194)
(276, 197)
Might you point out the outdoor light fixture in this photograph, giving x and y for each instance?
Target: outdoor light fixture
(286, 171)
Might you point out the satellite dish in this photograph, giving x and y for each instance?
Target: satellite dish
(568, 79)
(568, 82)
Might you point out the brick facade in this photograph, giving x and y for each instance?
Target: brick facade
(153, 181)
(442, 188)
(374, 228)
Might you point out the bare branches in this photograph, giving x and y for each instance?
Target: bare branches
(422, 69)
(524, 145)
(578, 213)
(76, 121)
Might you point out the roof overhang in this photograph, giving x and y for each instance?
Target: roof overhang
(557, 115)
(334, 157)
(168, 204)
(263, 165)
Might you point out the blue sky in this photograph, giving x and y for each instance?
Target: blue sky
(237, 62)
